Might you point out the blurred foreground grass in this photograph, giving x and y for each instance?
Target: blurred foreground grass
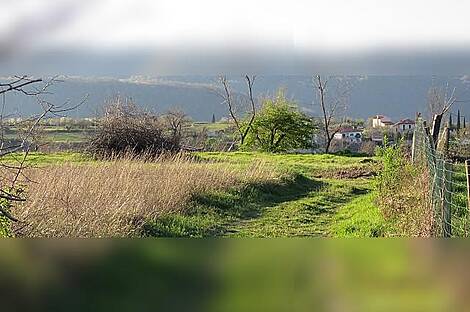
(233, 275)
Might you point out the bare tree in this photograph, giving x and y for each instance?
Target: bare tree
(234, 105)
(333, 104)
(440, 100)
(175, 120)
(13, 171)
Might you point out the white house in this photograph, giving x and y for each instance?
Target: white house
(404, 125)
(381, 121)
(349, 134)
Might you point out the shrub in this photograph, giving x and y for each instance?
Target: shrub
(393, 167)
(368, 148)
(403, 193)
(125, 128)
(280, 126)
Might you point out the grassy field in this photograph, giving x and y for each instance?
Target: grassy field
(209, 126)
(320, 196)
(313, 195)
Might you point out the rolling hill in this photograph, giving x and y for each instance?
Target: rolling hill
(395, 96)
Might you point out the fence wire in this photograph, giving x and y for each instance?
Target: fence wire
(447, 185)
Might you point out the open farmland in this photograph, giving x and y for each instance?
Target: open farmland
(202, 195)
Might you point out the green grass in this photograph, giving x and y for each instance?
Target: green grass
(359, 218)
(36, 158)
(303, 204)
(459, 209)
(4, 227)
(305, 164)
(58, 135)
(199, 126)
(66, 136)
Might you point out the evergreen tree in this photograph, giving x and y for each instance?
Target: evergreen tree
(458, 120)
(213, 118)
(464, 123)
(450, 121)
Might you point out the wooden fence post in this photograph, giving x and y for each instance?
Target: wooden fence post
(436, 127)
(467, 169)
(447, 199)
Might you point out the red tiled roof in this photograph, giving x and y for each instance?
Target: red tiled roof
(384, 119)
(405, 122)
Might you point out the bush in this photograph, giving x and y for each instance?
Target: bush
(368, 148)
(403, 193)
(393, 161)
(125, 128)
(280, 126)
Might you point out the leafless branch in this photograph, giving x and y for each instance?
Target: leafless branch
(229, 99)
(31, 87)
(333, 106)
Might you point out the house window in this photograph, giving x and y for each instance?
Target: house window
(403, 127)
(409, 126)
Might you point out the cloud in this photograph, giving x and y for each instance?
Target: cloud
(30, 23)
(156, 37)
(302, 25)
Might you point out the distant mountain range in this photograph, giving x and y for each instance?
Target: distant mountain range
(395, 96)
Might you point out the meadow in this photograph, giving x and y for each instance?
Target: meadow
(238, 194)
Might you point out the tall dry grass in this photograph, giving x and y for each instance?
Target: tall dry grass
(409, 206)
(115, 198)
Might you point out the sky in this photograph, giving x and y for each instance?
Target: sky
(285, 36)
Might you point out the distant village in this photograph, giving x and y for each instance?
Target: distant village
(354, 136)
(366, 137)
(381, 124)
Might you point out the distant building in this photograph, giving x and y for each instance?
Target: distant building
(381, 121)
(377, 138)
(349, 135)
(404, 125)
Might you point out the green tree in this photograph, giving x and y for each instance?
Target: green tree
(280, 126)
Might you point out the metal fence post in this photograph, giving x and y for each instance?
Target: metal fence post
(437, 192)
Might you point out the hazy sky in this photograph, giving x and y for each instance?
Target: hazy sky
(333, 27)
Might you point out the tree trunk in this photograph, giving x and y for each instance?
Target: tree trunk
(436, 127)
(328, 144)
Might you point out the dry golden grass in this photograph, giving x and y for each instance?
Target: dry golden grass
(409, 206)
(114, 198)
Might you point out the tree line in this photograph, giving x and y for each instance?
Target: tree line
(275, 124)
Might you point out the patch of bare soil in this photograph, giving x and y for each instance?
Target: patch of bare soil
(350, 173)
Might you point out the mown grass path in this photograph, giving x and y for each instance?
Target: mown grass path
(326, 195)
(310, 214)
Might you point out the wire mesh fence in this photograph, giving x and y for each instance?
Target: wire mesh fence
(448, 182)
